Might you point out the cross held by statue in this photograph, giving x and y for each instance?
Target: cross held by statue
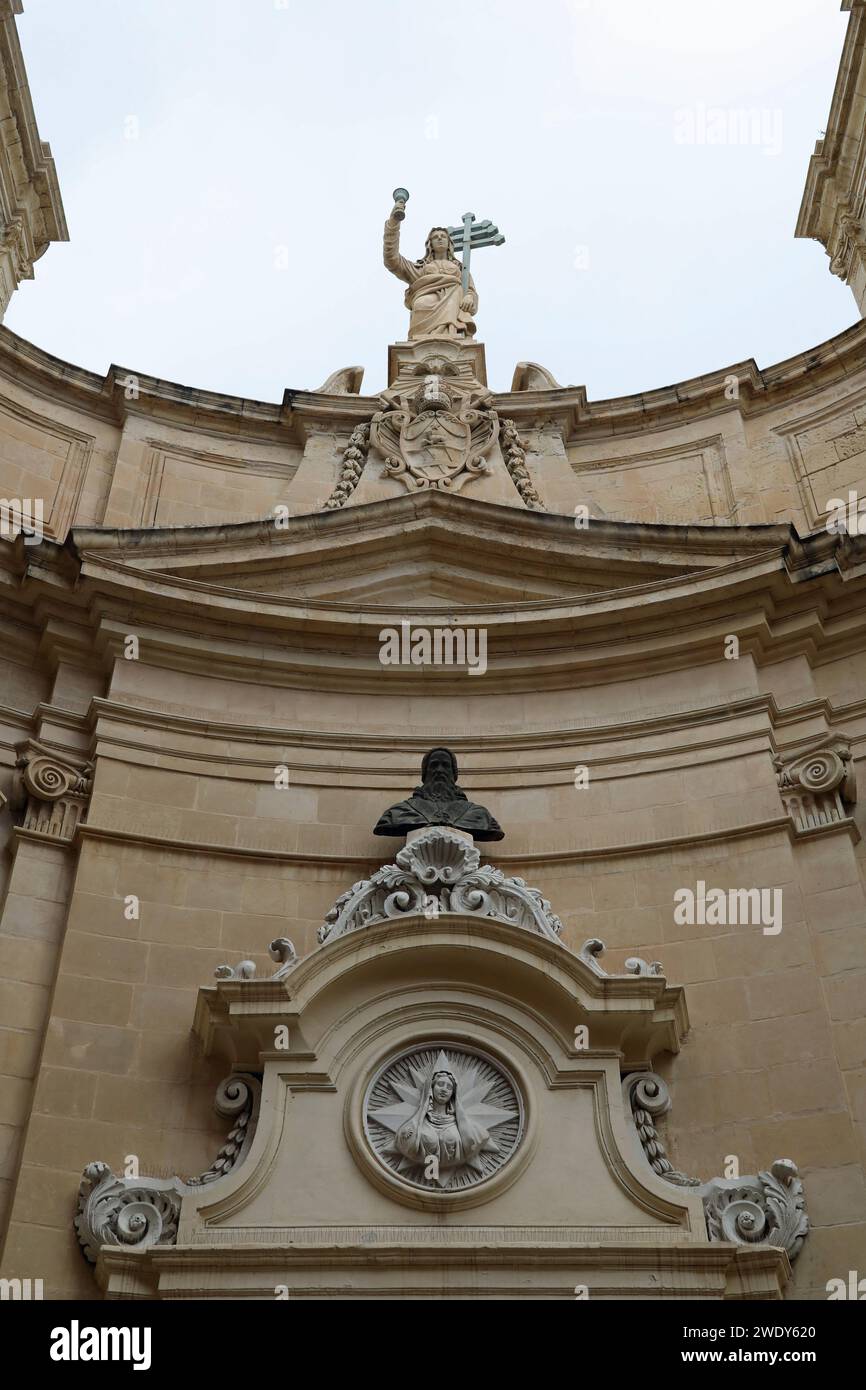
(470, 236)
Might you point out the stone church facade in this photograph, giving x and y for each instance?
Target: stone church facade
(587, 1017)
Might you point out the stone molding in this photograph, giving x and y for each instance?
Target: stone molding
(819, 785)
(187, 613)
(834, 199)
(437, 873)
(51, 791)
(143, 1212)
(769, 1208)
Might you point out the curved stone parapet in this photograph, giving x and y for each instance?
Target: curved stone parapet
(738, 447)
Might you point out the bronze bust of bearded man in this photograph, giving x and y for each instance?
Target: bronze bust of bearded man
(439, 801)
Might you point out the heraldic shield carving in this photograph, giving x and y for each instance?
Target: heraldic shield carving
(436, 438)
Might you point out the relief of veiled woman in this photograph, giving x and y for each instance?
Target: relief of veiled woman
(437, 305)
(440, 1128)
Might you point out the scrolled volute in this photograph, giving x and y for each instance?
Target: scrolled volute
(769, 1208)
(142, 1212)
(125, 1211)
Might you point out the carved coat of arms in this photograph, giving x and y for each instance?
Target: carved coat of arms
(436, 438)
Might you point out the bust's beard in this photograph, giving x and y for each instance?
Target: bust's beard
(439, 788)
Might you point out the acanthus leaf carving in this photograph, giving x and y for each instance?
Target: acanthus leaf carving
(769, 1208)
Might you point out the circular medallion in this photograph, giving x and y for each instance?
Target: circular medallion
(443, 1118)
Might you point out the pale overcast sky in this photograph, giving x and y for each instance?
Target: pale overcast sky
(227, 165)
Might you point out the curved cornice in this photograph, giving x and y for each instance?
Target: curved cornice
(774, 589)
(645, 1013)
(252, 541)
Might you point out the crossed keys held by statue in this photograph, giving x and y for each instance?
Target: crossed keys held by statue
(469, 236)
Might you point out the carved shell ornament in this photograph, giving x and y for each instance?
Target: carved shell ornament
(437, 874)
(443, 1118)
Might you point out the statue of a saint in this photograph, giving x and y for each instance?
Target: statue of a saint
(439, 801)
(441, 1129)
(437, 306)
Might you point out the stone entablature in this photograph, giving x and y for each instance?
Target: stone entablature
(833, 209)
(31, 210)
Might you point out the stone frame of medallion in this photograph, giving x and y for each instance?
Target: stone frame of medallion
(391, 1183)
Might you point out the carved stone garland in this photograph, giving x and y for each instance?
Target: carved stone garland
(769, 1207)
(354, 459)
(514, 455)
(439, 872)
(142, 1212)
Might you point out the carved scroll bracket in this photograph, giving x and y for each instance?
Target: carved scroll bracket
(142, 1212)
(768, 1208)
